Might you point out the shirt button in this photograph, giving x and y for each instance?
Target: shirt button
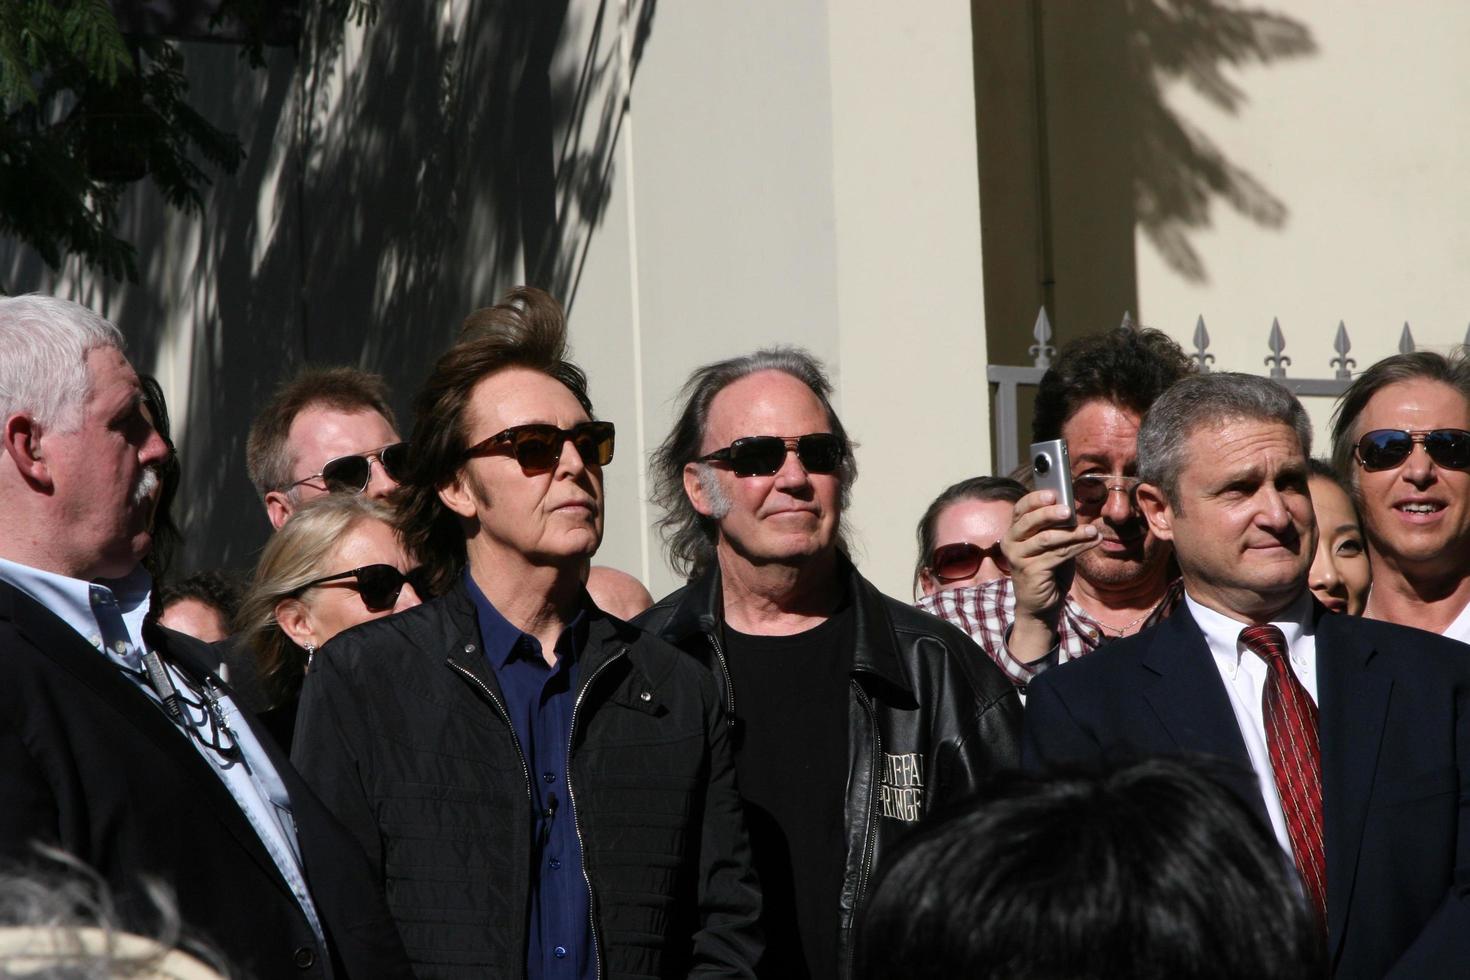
(556, 864)
(560, 952)
(548, 777)
(304, 957)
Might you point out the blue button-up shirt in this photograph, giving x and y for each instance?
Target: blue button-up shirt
(539, 700)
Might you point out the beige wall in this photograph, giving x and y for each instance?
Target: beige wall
(778, 184)
(1300, 159)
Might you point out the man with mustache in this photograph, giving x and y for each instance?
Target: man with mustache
(117, 745)
(1401, 438)
(1349, 738)
(1073, 588)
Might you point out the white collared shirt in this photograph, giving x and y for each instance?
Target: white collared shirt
(109, 615)
(1244, 675)
(1460, 628)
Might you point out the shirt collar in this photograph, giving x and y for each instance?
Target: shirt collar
(1223, 633)
(501, 638)
(78, 603)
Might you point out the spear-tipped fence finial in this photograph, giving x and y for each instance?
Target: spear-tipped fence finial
(1202, 359)
(1342, 345)
(1277, 342)
(1042, 350)
(1406, 340)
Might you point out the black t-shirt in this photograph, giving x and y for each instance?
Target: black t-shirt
(791, 698)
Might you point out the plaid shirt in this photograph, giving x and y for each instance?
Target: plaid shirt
(987, 611)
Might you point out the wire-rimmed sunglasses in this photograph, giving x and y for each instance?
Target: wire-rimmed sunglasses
(378, 585)
(819, 452)
(1092, 489)
(1383, 449)
(537, 445)
(961, 560)
(351, 474)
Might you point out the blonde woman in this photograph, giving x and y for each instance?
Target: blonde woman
(336, 563)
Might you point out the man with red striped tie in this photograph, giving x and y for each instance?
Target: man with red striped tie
(1349, 738)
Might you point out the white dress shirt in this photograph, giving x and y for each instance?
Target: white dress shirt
(1244, 675)
(1460, 628)
(109, 616)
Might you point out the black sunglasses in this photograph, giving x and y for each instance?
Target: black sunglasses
(819, 452)
(952, 562)
(351, 474)
(1383, 449)
(378, 585)
(537, 446)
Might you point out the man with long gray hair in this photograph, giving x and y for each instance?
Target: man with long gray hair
(854, 714)
(1349, 738)
(116, 743)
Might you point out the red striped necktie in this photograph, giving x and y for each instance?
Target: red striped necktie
(1296, 759)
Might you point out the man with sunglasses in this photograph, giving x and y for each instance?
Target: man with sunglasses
(117, 744)
(853, 714)
(327, 430)
(548, 790)
(1080, 580)
(1401, 437)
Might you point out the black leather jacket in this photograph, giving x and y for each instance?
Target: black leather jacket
(930, 716)
(404, 735)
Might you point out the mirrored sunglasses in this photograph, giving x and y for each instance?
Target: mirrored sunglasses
(961, 560)
(378, 585)
(1383, 449)
(819, 452)
(537, 446)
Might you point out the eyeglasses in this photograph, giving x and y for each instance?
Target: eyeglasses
(379, 585)
(952, 562)
(351, 474)
(537, 446)
(1383, 449)
(1092, 489)
(819, 452)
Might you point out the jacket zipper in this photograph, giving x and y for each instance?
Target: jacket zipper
(871, 833)
(500, 707)
(714, 643)
(572, 798)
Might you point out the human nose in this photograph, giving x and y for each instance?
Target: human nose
(1418, 468)
(792, 472)
(570, 460)
(380, 484)
(1323, 575)
(154, 450)
(407, 598)
(1118, 504)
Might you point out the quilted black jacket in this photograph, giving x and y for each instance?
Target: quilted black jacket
(930, 716)
(403, 733)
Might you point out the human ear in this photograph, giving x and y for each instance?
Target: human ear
(294, 618)
(694, 490)
(1156, 510)
(23, 437)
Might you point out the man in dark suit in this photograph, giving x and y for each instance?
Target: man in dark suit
(1349, 738)
(116, 744)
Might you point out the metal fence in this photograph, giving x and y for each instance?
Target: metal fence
(1009, 378)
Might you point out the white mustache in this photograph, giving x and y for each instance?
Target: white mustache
(147, 486)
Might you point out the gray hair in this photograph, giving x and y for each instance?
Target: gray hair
(44, 343)
(688, 535)
(1209, 399)
(1453, 371)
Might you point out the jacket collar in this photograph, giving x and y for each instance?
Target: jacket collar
(699, 609)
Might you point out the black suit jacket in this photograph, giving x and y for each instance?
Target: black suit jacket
(89, 764)
(1394, 723)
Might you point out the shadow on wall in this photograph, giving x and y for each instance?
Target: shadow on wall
(435, 164)
(1178, 169)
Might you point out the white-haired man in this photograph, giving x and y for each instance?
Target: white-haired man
(116, 745)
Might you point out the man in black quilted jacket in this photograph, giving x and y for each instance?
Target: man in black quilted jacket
(545, 790)
(854, 715)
